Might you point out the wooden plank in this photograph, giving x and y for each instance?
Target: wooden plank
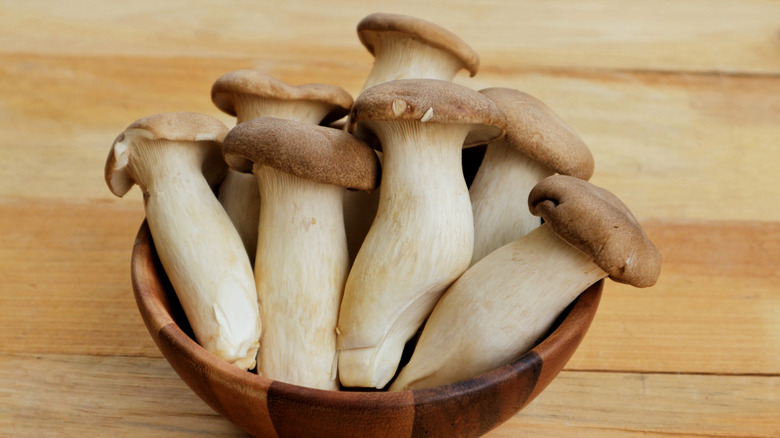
(713, 310)
(510, 430)
(68, 111)
(144, 397)
(658, 139)
(66, 279)
(728, 35)
(583, 404)
(89, 396)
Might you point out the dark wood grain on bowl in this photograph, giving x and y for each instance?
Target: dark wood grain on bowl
(297, 411)
(264, 407)
(474, 406)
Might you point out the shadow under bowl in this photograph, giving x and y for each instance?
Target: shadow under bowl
(265, 407)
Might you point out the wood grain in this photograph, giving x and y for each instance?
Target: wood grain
(66, 279)
(713, 310)
(700, 35)
(149, 400)
(702, 405)
(82, 391)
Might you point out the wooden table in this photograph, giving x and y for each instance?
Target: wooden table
(679, 102)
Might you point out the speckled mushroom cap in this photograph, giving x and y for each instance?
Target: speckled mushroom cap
(199, 129)
(535, 130)
(254, 83)
(428, 101)
(317, 153)
(596, 222)
(420, 30)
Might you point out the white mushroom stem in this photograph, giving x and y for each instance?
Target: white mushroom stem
(420, 242)
(241, 201)
(498, 309)
(499, 198)
(301, 268)
(249, 107)
(198, 248)
(238, 191)
(403, 58)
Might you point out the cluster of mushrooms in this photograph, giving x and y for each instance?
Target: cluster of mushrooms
(315, 238)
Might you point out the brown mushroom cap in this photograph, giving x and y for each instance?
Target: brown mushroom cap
(317, 153)
(597, 223)
(420, 30)
(255, 83)
(536, 131)
(176, 126)
(428, 101)
(180, 126)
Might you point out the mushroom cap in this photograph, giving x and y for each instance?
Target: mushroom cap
(255, 83)
(428, 101)
(597, 223)
(175, 126)
(317, 153)
(420, 30)
(536, 131)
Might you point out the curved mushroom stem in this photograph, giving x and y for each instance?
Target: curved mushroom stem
(499, 198)
(301, 268)
(420, 242)
(498, 309)
(187, 223)
(403, 58)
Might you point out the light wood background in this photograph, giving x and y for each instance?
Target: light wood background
(678, 100)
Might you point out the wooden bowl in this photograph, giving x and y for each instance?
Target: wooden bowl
(265, 407)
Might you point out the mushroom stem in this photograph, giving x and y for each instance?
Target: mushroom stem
(251, 107)
(300, 273)
(238, 196)
(420, 241)
(504, 177)
(404, 58)
(186, 222)
(406, 47)
(498, 309)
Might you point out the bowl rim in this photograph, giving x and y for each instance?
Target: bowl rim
(148, 288)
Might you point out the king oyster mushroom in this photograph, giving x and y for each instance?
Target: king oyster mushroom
(422, 237)
(301, 263)
(503, 304)
(248, 94)
(175, 159)
(537, 144)
(404, 47)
